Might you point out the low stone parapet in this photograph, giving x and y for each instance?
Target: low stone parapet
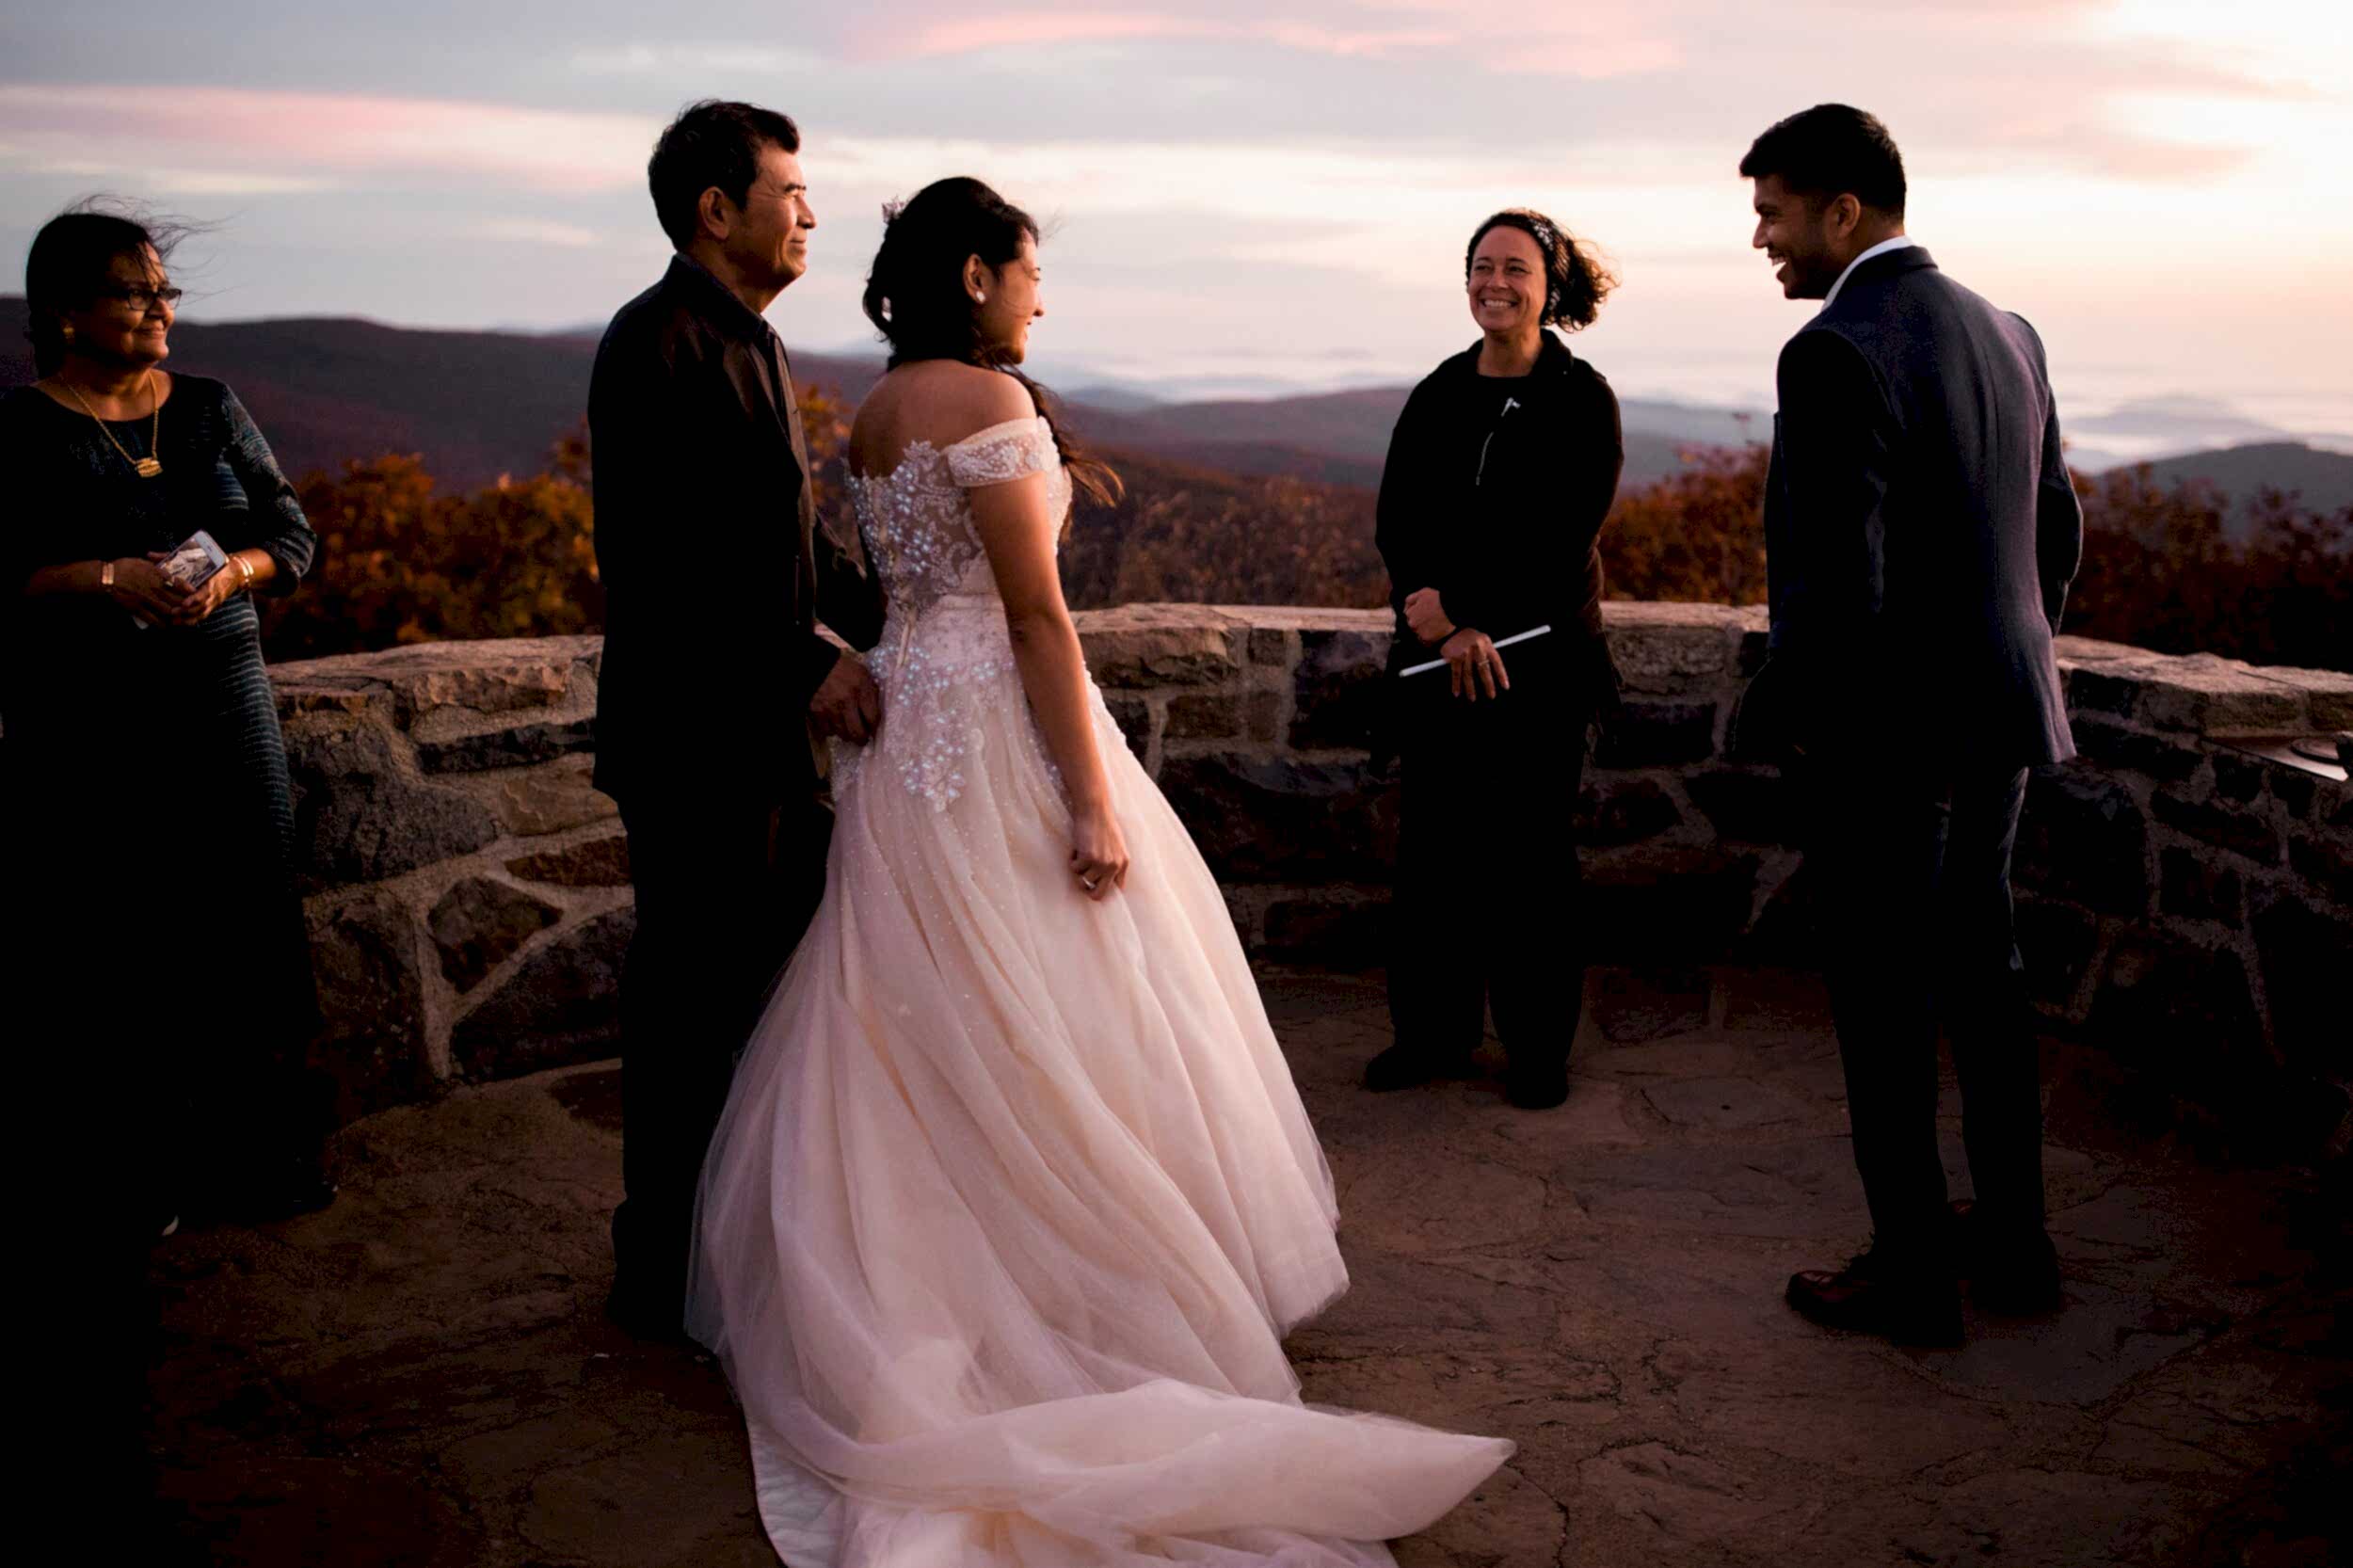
(468, 890)
(2184, 889)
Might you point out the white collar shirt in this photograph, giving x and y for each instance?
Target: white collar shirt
(1899, 243)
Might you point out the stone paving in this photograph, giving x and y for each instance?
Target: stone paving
(422, 1375)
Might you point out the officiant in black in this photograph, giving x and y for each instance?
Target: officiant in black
(162, 959)
(1500, 472)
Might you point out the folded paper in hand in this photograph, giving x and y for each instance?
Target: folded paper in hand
(193, 563)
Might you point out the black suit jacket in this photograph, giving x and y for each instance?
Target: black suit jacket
(1920, 529)
(715, 568)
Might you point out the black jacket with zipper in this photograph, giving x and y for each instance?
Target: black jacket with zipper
(1494, 493)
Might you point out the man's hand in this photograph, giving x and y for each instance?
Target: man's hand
(1769, 721)
(1426, 616)
(848, 703)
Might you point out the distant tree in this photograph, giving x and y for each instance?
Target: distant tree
(825, 426)
(400, 564)
(2164, 569)
(1186, 535)
(1698, 534)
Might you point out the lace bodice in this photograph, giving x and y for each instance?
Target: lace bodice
(944, 642)
(917, 524)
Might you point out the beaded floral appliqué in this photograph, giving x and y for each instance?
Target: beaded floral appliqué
(944, 642)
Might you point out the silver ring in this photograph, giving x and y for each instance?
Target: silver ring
(1090, 884)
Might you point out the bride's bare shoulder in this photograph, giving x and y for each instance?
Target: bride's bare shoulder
(932, 401)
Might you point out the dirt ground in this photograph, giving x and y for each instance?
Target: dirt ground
(422, 1375)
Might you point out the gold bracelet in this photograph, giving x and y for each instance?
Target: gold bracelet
(105, 577)
(246, 566)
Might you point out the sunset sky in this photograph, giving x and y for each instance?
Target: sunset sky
(1240, 190)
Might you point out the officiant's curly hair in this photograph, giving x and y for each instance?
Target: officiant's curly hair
(915, 295)
(1576, 281)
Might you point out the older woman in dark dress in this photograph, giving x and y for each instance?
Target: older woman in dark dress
(151, 822)
(1500, 472)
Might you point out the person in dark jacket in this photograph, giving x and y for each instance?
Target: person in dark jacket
(153, 808)
(1921, 530)
(715, 680)
(160, 1009)
(1500, 473)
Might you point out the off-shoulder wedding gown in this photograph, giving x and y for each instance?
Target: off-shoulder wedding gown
(1013, 1198)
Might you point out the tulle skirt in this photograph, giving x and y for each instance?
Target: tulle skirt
(1014, 1199)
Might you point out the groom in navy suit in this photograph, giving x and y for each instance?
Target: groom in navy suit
(1921, 530)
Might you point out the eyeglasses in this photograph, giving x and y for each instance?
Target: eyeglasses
(142, 298)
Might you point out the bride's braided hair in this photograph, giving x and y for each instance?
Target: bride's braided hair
(915, 295)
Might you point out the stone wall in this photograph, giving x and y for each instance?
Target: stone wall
(2191, 901)
(468, 891)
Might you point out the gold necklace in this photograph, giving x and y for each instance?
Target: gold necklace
(149, 466)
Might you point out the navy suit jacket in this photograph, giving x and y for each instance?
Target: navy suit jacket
(1920, 529)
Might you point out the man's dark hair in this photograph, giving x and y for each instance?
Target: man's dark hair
(1830, 150)
(714, 142)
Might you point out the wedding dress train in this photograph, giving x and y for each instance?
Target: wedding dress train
(1013, 1198)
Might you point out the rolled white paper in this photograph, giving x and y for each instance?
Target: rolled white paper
(1503, 642)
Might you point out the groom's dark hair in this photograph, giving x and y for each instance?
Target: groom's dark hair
(1828, 151)
(714, 142)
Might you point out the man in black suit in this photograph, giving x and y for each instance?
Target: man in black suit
(715, 681)
(1921, 530)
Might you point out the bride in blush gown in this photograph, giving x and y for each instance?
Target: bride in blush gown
(1013, 1198)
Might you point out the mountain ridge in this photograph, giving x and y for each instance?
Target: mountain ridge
(477, 404)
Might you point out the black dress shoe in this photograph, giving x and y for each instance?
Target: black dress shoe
(1911, 1303)
(1404, 1067)
(655, 1321)
(2015, 1274)
(1536, 1085)
(262, 1193)
(284, 1198)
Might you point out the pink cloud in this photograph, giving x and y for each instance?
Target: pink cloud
(93, 128)
(2116, 154)
(1040, 30)
(1588, 41)
(1591, 59)
(1570, 43)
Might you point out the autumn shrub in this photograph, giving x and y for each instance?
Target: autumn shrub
(1190, 537)
(2178, 569)
(2173, 569)
(2181, 570)
(401, 563)
(1696, 535)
